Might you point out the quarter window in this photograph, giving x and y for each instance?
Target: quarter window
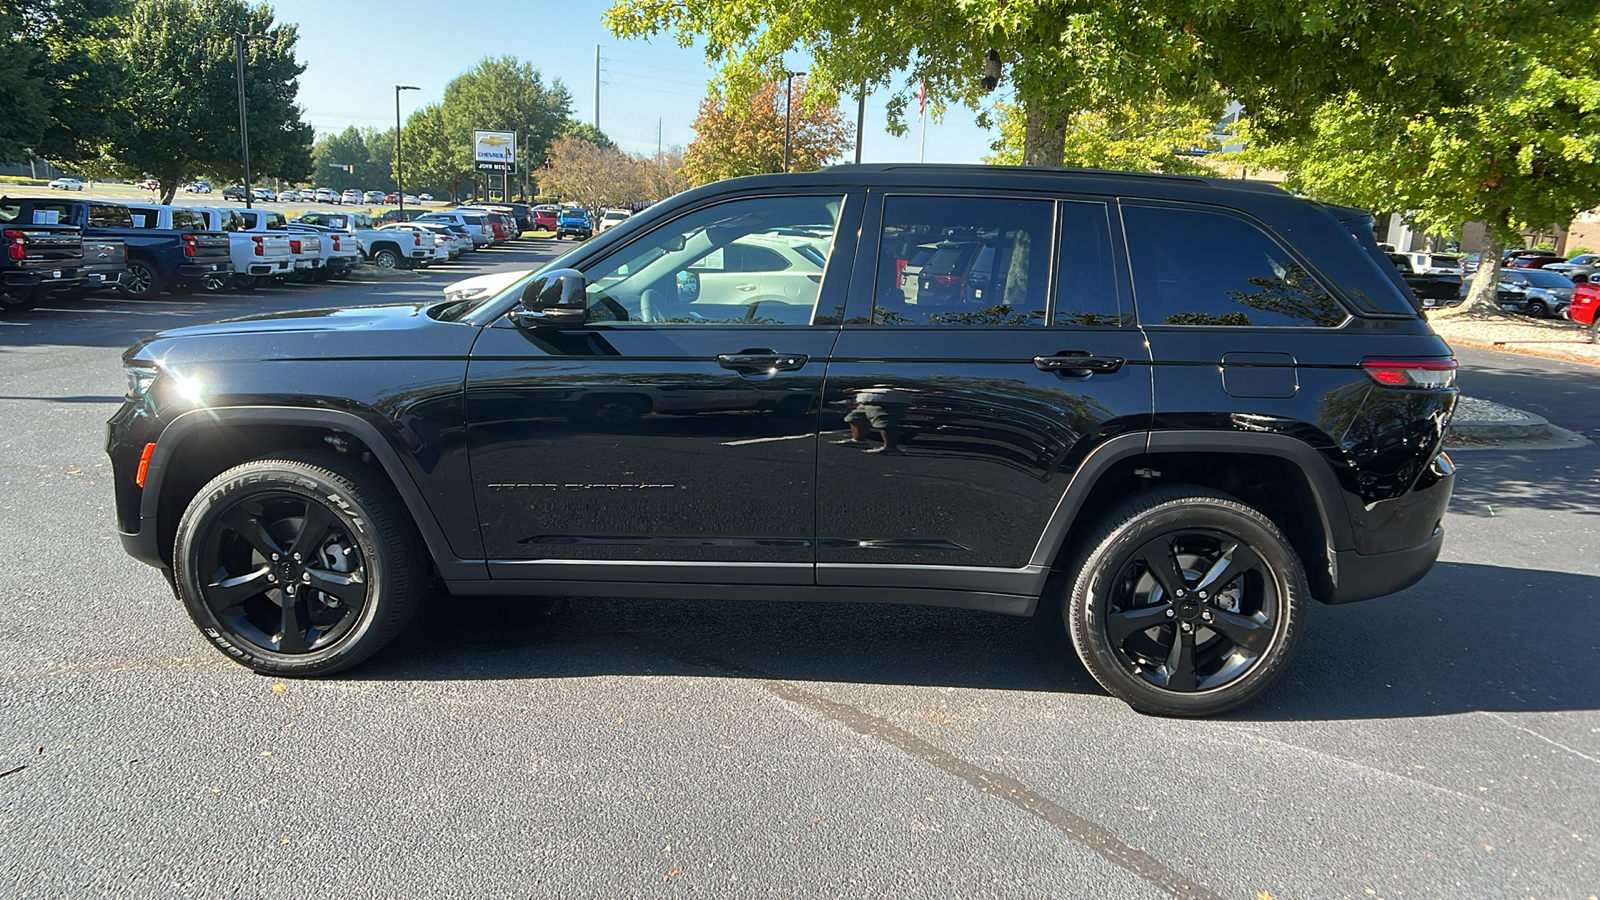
(1196, 267)
(963, 261)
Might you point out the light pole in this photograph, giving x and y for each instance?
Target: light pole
(788, 101)
(239, 40)
(399, 180)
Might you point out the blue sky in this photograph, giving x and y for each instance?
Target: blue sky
(356, 51)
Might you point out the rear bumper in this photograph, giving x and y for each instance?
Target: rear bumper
(1365, 576)
(198, 270)
(32, 278)
(281, 267)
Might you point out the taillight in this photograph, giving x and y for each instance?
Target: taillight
(188, 245)
(335, 242)
(18, 246)
(949, 279)
(294, 246)
(124, 254)
(261, 245)
(416, 238)
(1417, 374)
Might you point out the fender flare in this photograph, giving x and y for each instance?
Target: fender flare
(451, 567)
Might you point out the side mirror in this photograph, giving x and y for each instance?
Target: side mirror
(555, 299)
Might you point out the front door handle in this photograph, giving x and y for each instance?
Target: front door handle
(762, 361)
(1078, 362)
(745, 287)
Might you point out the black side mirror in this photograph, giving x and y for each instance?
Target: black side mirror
(555, 299)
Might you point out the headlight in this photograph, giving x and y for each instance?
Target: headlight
(140, 380)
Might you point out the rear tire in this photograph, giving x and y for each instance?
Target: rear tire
(142, 281)
(1186, 603)
(300, 565)
(19, 301)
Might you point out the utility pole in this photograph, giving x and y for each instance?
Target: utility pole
(239, 40)
(861, 115)
(658, 140)
(399, 169)
(597, 87)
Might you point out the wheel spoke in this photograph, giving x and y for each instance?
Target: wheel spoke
(290, 638)
(314, 527)
(349, 587)
(1236, 561)
(1242, 630)
(249, 526)
(1160, 558)
(227, 596)
(1180, 662)
(1120, 625)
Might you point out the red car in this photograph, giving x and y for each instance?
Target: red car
(1585, 300)
(1533, 259)
(391, 198)
(544, 220)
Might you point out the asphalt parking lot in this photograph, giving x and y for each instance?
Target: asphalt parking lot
(1444, 742)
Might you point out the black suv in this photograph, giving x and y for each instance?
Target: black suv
(1184, 407)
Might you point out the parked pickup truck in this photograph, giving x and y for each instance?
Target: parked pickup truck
(384, 249)
(158, 258)
(1434, 285)
(307, 254)
(105, 262)
(256, 257)
(240, 248)
(341, 253)
(38, 258)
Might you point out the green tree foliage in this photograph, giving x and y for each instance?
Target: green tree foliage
(1520, 151)
(734, 138)
(583, 131)
(337, 158)
(434, 160)
(1144, 136)
(59, 80)
(181, 105)
(504, 94)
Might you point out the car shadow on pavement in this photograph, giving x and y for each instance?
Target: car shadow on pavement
(1490, 480)
(1468, 638)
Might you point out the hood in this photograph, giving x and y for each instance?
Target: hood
(367, 332)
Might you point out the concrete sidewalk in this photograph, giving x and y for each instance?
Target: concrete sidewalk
(1478, 422)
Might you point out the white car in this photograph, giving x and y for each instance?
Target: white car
(612, 217)
(323, 195)
(66, 184)
(198, 187)
(484, 285)
(351, 196)
(425, 197)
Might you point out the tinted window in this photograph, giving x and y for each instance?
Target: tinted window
(1541, 278)
(1195, 267)
(736, 263)
(187, 220)
(108, 216)
(1086, 287)
(983, 261)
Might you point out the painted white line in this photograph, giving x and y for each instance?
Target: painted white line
(786, 437)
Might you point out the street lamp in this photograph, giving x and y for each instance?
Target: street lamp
(399, 181)
(239, 40)
(788, 101)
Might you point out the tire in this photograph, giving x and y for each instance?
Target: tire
(1536, 308)
(246, 283)
(216, 282)
(18, 301)
(1239, 639)
(361, 544)
(385, 258)
(142, 281)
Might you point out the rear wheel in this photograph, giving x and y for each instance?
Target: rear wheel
(385, 258)
(1188, 602)
(142, 281)
(301, 565)
(216, 282)
(21, 300)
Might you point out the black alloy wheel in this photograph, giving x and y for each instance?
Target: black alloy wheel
(216, 282)
(1189, 603)
(142, 281)
(301, 565)
(1538, 310)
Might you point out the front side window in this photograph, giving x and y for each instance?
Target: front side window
(187, 220)
(748, 262)
(1198, 267)
(963, 261)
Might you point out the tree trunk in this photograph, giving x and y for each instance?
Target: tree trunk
(168, 190)
(1481, 298)
(1044, 136)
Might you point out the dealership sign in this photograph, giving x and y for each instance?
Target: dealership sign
(495, 151)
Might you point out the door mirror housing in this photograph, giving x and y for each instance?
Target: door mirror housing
(555, 299)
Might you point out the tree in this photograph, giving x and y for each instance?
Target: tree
(590, 175)
(1281, 59)
(433, 156)
(337, 158)
(583, 131)
(59, 79)
(1133, 136)
(1521, 151)
(504, 94)
(663, 174)
(181, 107)
(735, 138)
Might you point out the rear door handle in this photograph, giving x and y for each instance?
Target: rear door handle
(762, 361)
(1078, 362)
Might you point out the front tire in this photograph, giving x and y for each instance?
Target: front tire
(1187, 602)
(300, 565)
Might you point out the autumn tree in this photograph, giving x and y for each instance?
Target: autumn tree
(591, 176)
(735, 138)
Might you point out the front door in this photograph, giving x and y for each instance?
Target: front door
(955, 414)
(678, 424)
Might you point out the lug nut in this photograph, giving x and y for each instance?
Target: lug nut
(1206, 616)
(306, 577)
(1170, 613)
(272, 578)
(297, 557)
(275, 557)
(289, 590)
(1186, 625)
(1202, 593)
(1182, 592)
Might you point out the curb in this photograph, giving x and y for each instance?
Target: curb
(1511, 425)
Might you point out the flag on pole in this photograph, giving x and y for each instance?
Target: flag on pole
(922, 99)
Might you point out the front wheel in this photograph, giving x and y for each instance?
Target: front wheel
(1188, 603)
(300, 565)
(1537, 309)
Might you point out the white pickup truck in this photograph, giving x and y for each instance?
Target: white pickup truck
(384, 249)
(307, 249)
(341, 253)
(189, 218)
(256, 257)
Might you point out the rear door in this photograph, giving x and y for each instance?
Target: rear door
(954, 416)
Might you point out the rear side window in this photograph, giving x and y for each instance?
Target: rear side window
(1198, 267)
(963, 261)
(103, 215)
(1086, 283)
(187, 220)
